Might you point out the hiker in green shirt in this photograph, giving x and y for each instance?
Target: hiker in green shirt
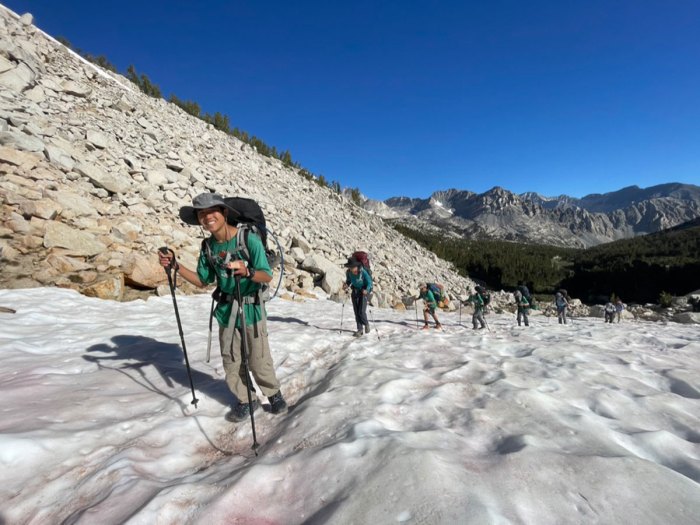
(429, 306)
(523, 306)
(478, 301)
(220, 261)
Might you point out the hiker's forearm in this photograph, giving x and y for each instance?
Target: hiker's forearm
(190, 276)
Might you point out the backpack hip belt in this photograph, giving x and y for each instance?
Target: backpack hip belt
(223, 297)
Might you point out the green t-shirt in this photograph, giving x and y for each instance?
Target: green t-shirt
(208, 274)
(478, 302)
(429, 298)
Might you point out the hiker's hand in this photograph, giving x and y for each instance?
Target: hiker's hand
(364, 292)
(238, 267)
(165, 258)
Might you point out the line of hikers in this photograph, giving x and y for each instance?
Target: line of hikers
(236, 258)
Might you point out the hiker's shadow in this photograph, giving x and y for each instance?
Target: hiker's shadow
(131, 355)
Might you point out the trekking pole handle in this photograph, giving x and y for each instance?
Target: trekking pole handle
(173, 260)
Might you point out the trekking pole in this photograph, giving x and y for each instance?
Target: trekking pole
(371, 314)
(486, 322)
(171, 270)
(342, 311)
(244, 358)
(211, 318)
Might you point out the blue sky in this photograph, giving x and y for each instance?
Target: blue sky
(409, 97)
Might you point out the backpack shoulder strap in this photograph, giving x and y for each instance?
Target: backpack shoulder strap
(242, 241)
(206, 248)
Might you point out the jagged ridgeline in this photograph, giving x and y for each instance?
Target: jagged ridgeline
(93, 172)
(638, 270)
(559, 221)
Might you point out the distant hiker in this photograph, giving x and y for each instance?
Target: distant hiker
(525, 291)
(358, 279)
(523, 307)
(609, 311)
(430, 306)
(561, 304)
(619, 306)
(220, 260)
(477, 299)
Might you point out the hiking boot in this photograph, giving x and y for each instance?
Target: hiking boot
(358, 333)
(367, 329)
(277, 403)
(425, 326)
(438, 326)
(240, 412)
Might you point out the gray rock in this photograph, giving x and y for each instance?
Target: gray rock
(26, 19)
(44, 209)
(96, 138)
(76, 89)
(57, 156)
(75, 241)
(5, 65)
(101, 179)
(18, 79)
(687, 317)
(21, 141)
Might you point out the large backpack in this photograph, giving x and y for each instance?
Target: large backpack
(437, 290)
(252, 219)
(525, 291)
(363, 257)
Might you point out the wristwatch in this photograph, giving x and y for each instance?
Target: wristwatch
(251, 272)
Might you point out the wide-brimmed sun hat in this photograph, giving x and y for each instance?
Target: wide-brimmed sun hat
(353, 263)
(188, 214)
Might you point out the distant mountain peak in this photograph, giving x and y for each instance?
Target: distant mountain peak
(562, 220)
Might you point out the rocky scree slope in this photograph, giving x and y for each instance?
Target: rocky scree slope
(93, 172)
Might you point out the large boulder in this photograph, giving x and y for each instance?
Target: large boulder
(332, 276)
(77, 242)
(687, 317)
(143, 271)
(109, 287)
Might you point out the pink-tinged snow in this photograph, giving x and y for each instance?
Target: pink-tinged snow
(584, 423)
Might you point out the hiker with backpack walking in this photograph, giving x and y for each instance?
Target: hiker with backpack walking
(477, 299)
(430, 305)
(619, 306)
(523, 306)
(359, 280)
(561, 305)
(609, 311)
(525, 291)
(223, 260)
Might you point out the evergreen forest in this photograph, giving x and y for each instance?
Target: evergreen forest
(638, 270)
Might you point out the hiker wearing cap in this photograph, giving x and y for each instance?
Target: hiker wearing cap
(523, 306)
(360, 283)
(477, 300)
(429, 306)
(220, 260)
